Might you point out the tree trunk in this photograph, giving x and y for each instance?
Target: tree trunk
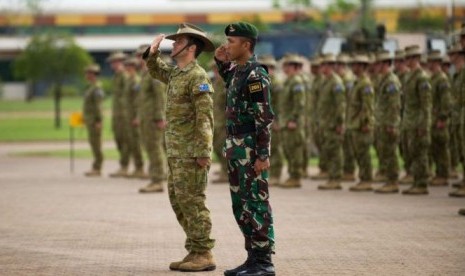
(57, 97)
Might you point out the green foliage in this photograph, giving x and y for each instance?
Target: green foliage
(344, 6)
(409, 23)
(66, 91)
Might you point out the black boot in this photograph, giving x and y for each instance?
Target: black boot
(233, 272)
(260, 266)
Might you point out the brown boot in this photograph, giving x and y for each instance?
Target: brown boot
(462, 212)
(388, 188)
(348, 177)
(320, 176)
(201, 261)
(415, 190)
(407, 179)
(363, 186)
(92, 173)
(458, 184)
(292, 183)
(379, 177)
(175, 265)
(458, 193)
(153, 187)
(137, 173)
(122, 172)
(439, 181)
(330, 185)
(453, 174)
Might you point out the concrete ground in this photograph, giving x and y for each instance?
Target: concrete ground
(53, 222)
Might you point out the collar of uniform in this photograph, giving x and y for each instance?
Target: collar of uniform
(243, 68)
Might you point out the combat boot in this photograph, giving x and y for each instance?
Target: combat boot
(462, 212)
(261, 265)
(233, 272)
(458, 184)
(439, 181)
(322, 175)
(274, 181)
(407, 179)
(458, 193)
(222, 178)
(175, 265)
(380, 177)
(291, 183)
(363, 186)
(416, 190)
(388, 188)
(122, 172)
(348, 177)
(330, 185)
(153, 187)
(453, 174)
(201, 261)
(137, 173)
(92, 173)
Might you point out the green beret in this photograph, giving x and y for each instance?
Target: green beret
(243, 29)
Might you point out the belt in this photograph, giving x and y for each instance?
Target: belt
(240, 129)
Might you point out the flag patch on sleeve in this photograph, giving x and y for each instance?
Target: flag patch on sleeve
(204, 87)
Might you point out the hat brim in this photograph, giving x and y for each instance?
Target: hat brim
(208, 45)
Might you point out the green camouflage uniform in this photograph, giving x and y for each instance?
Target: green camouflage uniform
(248, 119)
(387, 117)
(292, 109)
(189, 135)
(307, 128)
(331, 109)
(118, 118)
(403, 132)
(130, 106)
(92, 112)
(455, 121)
(151, 110)
(360, 114)
(312, 113)
(219, 132)
(417, 124)
(347, 146)
(277, 155)
(440, 153)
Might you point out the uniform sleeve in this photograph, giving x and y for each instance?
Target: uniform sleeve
(298, 90)
(158, 69)
(423, 89)
(443, 112)
(259, 86)
(392, 93)
(366, 109)
(338, 92)
(202, 90)
(98, 99)
(225, 71)
(158, 90)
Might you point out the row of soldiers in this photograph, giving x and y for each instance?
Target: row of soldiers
(138, 119)
(350, 104)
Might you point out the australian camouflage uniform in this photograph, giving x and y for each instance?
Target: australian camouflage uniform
(347, 147)
(92, 112)
(118, 118)
(277, 155)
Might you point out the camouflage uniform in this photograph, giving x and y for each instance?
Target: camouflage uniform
(455, 120)
(248, 119)
(360, 124)
(92, 112)
(189, 135)
(331, 109)
(292, 109)
(152, 102)
(347, 147)
(219, 133)
(417, 122)
(130, 106)
(312, 113)
(118, 118)
(307, 129)
(277, 155)
(440, 136)
(403, 143)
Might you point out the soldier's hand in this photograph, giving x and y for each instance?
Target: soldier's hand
(135, 122)
(365, 129)
(161, 124)
(391, 130)
(261, 166)
(220, 54)
(156, 43)
(421, 132)
(275, 126)
(291, 125)
(203, 161)
(98, 125)
(339, 130)
(440, 124)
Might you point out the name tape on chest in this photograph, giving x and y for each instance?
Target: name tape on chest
(255, 87)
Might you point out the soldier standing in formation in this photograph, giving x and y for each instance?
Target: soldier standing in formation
(249, 117)
(331, 109)
(417, 121)
(117, 112)
(189, 139)
(292, 119)
(360, 122)
(151, 117)
(93, 117)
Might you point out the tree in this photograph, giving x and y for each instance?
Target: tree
(54, 58)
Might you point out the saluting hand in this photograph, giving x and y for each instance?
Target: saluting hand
(220, 54)
(156, 43)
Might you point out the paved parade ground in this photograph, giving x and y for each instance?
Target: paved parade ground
(53, 222)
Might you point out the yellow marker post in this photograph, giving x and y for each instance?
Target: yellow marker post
(75, 120)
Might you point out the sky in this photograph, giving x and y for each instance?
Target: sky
(185, 6)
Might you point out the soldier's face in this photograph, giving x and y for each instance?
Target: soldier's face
(235, 47)
(179, 43)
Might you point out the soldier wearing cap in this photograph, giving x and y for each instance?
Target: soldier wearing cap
(360, 122)
(441, 99)
(347, 76)
(93, 117)
(276, 154)
(247, 148)
(152, 123)
(117, 112)
(387, 123)
(331, 109)
(189, 139)
(417, 121)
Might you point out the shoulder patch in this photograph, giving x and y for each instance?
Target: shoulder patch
(424, 85)
(338, 88)
(204, 87)
(298, 88)
(368, 90)
(443, 85)
(391, 88)
(255, 87)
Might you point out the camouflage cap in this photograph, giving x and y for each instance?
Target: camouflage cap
(371, 58)
(93, 68)
(383, 56)
(360, 58)
(141, 49)
(412, 50)
(399, 55)
(316, 61)
(455, 49)
(445, 60)
(292, 58)
(116, 56)
(343, 58)
(267, 60)
(134, 61)
(243, 29)
(328, 58)
(193, 31)
(435, 55)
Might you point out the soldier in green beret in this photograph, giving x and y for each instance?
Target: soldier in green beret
(189, 139)
(247, 148)
(93, 117)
